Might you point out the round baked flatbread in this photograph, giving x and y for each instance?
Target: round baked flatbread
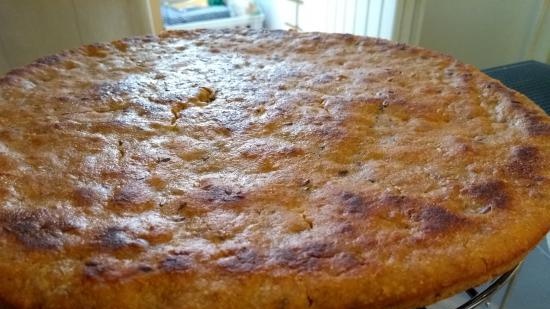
(262, 169)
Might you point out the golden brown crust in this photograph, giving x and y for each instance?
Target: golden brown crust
(261, 169)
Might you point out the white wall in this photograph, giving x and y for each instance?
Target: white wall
(106, 20)
(33, 28)
(3, 64)
(540, 49)
(278, 13)
(362, 17)
(484, 33)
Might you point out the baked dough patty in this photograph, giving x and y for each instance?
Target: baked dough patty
(262, 169)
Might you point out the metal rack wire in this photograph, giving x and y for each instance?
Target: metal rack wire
(477, 297)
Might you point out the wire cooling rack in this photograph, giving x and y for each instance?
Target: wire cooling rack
(476, 297)
(531, 78)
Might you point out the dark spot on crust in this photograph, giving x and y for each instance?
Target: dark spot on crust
(91, 263)
(309, 301)
(343, 173)
(37, 228)
(401, 46)
(395, 201)
(49, 60)
(306, 257)
(149, 38)
(145, 268)
(132, 196)
(492, 194)
(5, 305)
(438, 219)
(466, 77)
(179, 252)
(404, 212)
(525, 153)
(163, 160)
(180, 209)
(8, 79)
(84, 197)
(358, 204)
(316, 250)
(523, 162)
(213, 193)
(354, 204)
(110, 269)
(538, 125)
(244, 260)
(176, 263)
(498, 86)
(118, 238)
(93, 269)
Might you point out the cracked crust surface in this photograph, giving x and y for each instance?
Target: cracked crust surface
(262, 170)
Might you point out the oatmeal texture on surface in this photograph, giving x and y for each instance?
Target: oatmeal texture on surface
(262, 169)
